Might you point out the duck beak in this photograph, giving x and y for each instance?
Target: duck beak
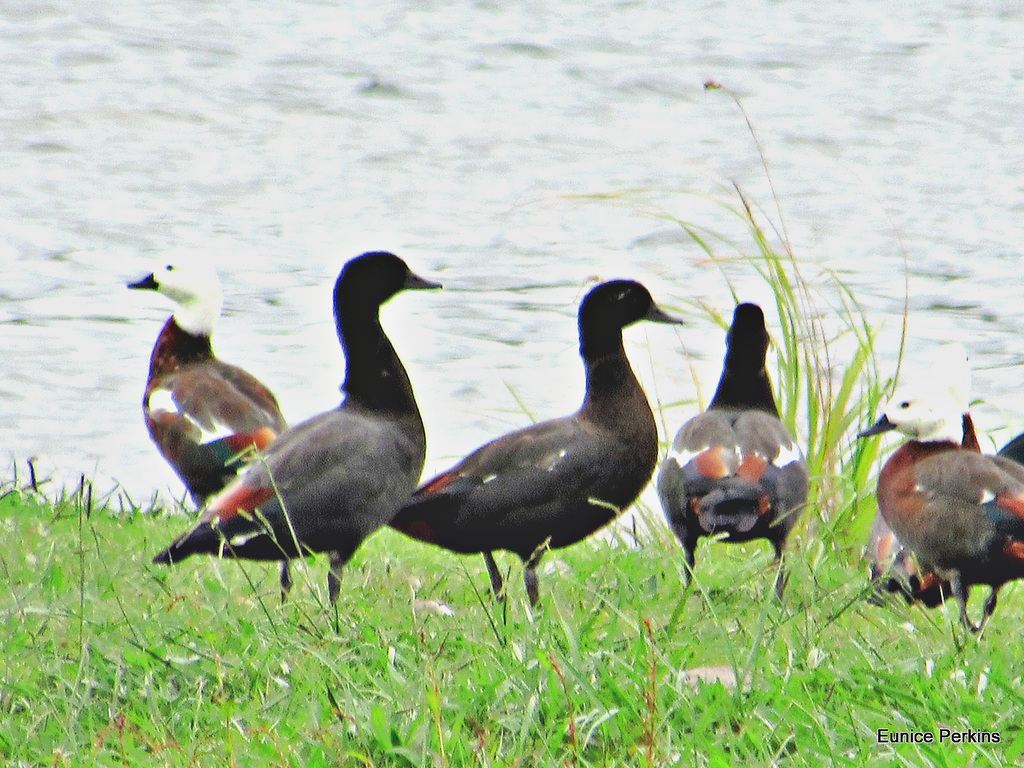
(148, 283)
(657, 315)
(880, 426)
(414, 282)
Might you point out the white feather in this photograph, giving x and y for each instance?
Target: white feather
(196, 289)
(787, 455)
(682, 458)
(162, 400)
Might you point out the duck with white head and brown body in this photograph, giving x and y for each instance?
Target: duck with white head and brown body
(959, 511)
(201, 412)
(944, 369)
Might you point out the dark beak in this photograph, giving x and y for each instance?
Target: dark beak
(148, 283)
(880, 426)
(414, 282)
(657, 315)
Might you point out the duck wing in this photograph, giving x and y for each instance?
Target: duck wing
(324, 485)
(733, 467)
(215, 398)
(561, 479)
(961, 506)
(202, 417)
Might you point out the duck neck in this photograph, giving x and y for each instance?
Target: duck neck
(614, 397)
(744, 388)
(176, 347)
(950, 428)
(374, 376)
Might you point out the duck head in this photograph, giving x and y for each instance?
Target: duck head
(612, 306)
(920, 417)
(747, 340)
(931, 406)
(369, 280)
(196, 290)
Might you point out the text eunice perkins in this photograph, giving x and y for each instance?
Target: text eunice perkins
(944, 736)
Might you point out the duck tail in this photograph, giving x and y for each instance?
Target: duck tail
(733, 505)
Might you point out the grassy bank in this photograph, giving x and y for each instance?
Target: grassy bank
(108, 660)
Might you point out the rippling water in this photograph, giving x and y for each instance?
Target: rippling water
(280, 139)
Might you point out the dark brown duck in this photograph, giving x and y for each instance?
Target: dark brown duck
(340, 475)
(553, 484)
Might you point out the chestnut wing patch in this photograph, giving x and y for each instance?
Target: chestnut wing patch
(237, 499)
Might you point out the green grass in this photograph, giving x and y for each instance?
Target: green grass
(109, 660)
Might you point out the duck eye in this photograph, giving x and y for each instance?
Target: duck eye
(169, 267)
(905, 404)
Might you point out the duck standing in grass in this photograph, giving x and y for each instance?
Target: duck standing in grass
(960, 512)
(735, 468)
(201, 412)
(555, 483)
(326, 484)
(944, 369)
(893, 566)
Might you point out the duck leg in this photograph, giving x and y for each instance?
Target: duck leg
(530, 579)
(961, 592)
(688, 535)
(497, 582)
(782, 576)
(990, 607)
(690, 558)
(286, 581)
(337, 563)
(689, 543)
(530, 573)
(339, 559)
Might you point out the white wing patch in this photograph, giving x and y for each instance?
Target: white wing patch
(219, 431)
(684, 457)
(162, 400)
(787, 455)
